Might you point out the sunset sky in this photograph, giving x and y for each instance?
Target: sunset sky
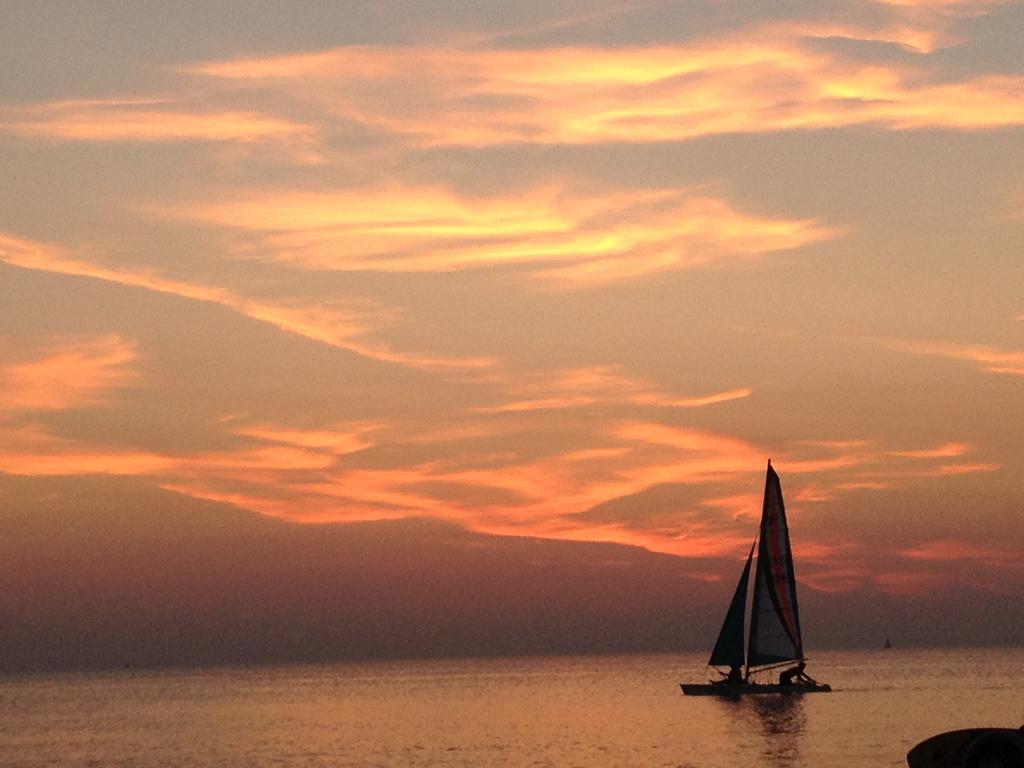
(569, 271)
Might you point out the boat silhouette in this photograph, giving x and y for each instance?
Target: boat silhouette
(775, 639)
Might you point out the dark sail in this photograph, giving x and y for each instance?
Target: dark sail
(774, 619)
(728, 650)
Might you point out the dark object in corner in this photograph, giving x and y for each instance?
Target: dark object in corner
(970, 748)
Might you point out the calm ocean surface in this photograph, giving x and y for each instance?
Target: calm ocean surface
(582, 711)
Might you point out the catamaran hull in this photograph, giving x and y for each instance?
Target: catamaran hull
(749, 689)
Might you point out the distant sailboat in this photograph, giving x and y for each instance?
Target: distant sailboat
(775, 638)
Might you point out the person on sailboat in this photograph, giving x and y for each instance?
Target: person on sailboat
(735, 676)
(795, 675)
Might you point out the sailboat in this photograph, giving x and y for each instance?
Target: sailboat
(774, 639)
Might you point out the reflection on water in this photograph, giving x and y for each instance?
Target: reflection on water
(773, 725)
(782, 722)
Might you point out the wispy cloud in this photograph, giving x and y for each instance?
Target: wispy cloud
(344, 327)
(364, 471)
(937, 23)
(146, 120)
(875, 469)
(668, 401)
(987, 358)
(32, 451)
(836, 580)
(951, 562)
(766, 79)
(67, 374)
(771, 77)
(470, 471)
(561, 234)
(549, 24)
(949, 450)
(597, 384)
(969, 468)
(965, 7)
(343, 440)
(954, 550)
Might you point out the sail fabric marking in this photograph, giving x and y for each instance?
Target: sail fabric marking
(728, 650)
(774, 620)
(781, 568)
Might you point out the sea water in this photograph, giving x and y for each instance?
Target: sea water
(597, 712)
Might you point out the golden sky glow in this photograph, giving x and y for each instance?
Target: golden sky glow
(569, 276)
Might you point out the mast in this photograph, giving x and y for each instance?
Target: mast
(774, 617)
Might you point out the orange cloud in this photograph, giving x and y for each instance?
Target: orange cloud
(268, 458)
(496, 493)
(327, 492)
(84, 462)
(476, 469)
(969, 469)
(990, 359)
(145, 121)
(933, 564)
(812, 493)
(765, 79)
(951, 550)
(841, 445)
(654, 398)
(745, 505)
(343, 327)
(690, 441)
(68, 374)
(949, 450)
(968, 7)
(538, 404)
(605, 384)
(336, 442)
(563, 235)
(934, 23)
(459, 473)
(30, 451)
(836, 580)
(864, 485)
(506, 494)
(309, 475)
